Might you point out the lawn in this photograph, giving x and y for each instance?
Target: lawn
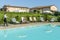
(14, 14)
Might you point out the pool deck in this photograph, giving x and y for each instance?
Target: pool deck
(29, 24)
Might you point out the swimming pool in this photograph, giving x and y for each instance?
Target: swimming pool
(38, 32)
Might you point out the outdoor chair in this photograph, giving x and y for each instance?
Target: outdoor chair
(24, 20)
(30, 19)
(13, 20)
(42, 19)
(52, 20)
(34, 19)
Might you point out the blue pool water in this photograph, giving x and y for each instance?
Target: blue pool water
(38, 32)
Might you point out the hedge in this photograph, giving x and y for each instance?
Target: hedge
(25, 14)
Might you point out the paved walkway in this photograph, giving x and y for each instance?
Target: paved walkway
(25, 25)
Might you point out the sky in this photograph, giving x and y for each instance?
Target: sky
(30, 3)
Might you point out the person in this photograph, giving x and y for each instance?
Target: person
(5, 20)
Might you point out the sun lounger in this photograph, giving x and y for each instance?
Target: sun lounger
(52, 19)
(34, 19)
(42, 19)
(13, 20)
(23, 20)
(30, 19)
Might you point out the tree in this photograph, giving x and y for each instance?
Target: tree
(38, 11)
(58, 19)
(56, 13)
(35, 11)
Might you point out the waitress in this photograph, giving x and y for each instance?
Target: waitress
(5, 20)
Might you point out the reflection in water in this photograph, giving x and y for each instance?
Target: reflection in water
(5, 34)
(22, 36)
(48, 31)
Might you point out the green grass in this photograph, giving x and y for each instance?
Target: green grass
(14, 14)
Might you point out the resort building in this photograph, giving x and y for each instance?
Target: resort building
(40, 9)
(9, 8)
(44, 9)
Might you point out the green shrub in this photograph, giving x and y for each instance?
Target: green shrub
(27, 15)
(57, 13)
(58, 18)
(49, 17)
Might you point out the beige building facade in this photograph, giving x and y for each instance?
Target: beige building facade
(44, 9)
(41, 9)
(9, 8)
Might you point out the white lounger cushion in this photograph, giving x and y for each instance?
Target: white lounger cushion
(30, 18)
(22, 19)
(41, 18)
(34, 18)
(14, 20)
(52, 20)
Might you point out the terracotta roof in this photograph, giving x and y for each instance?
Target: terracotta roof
(15, 6)
(42, 7)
